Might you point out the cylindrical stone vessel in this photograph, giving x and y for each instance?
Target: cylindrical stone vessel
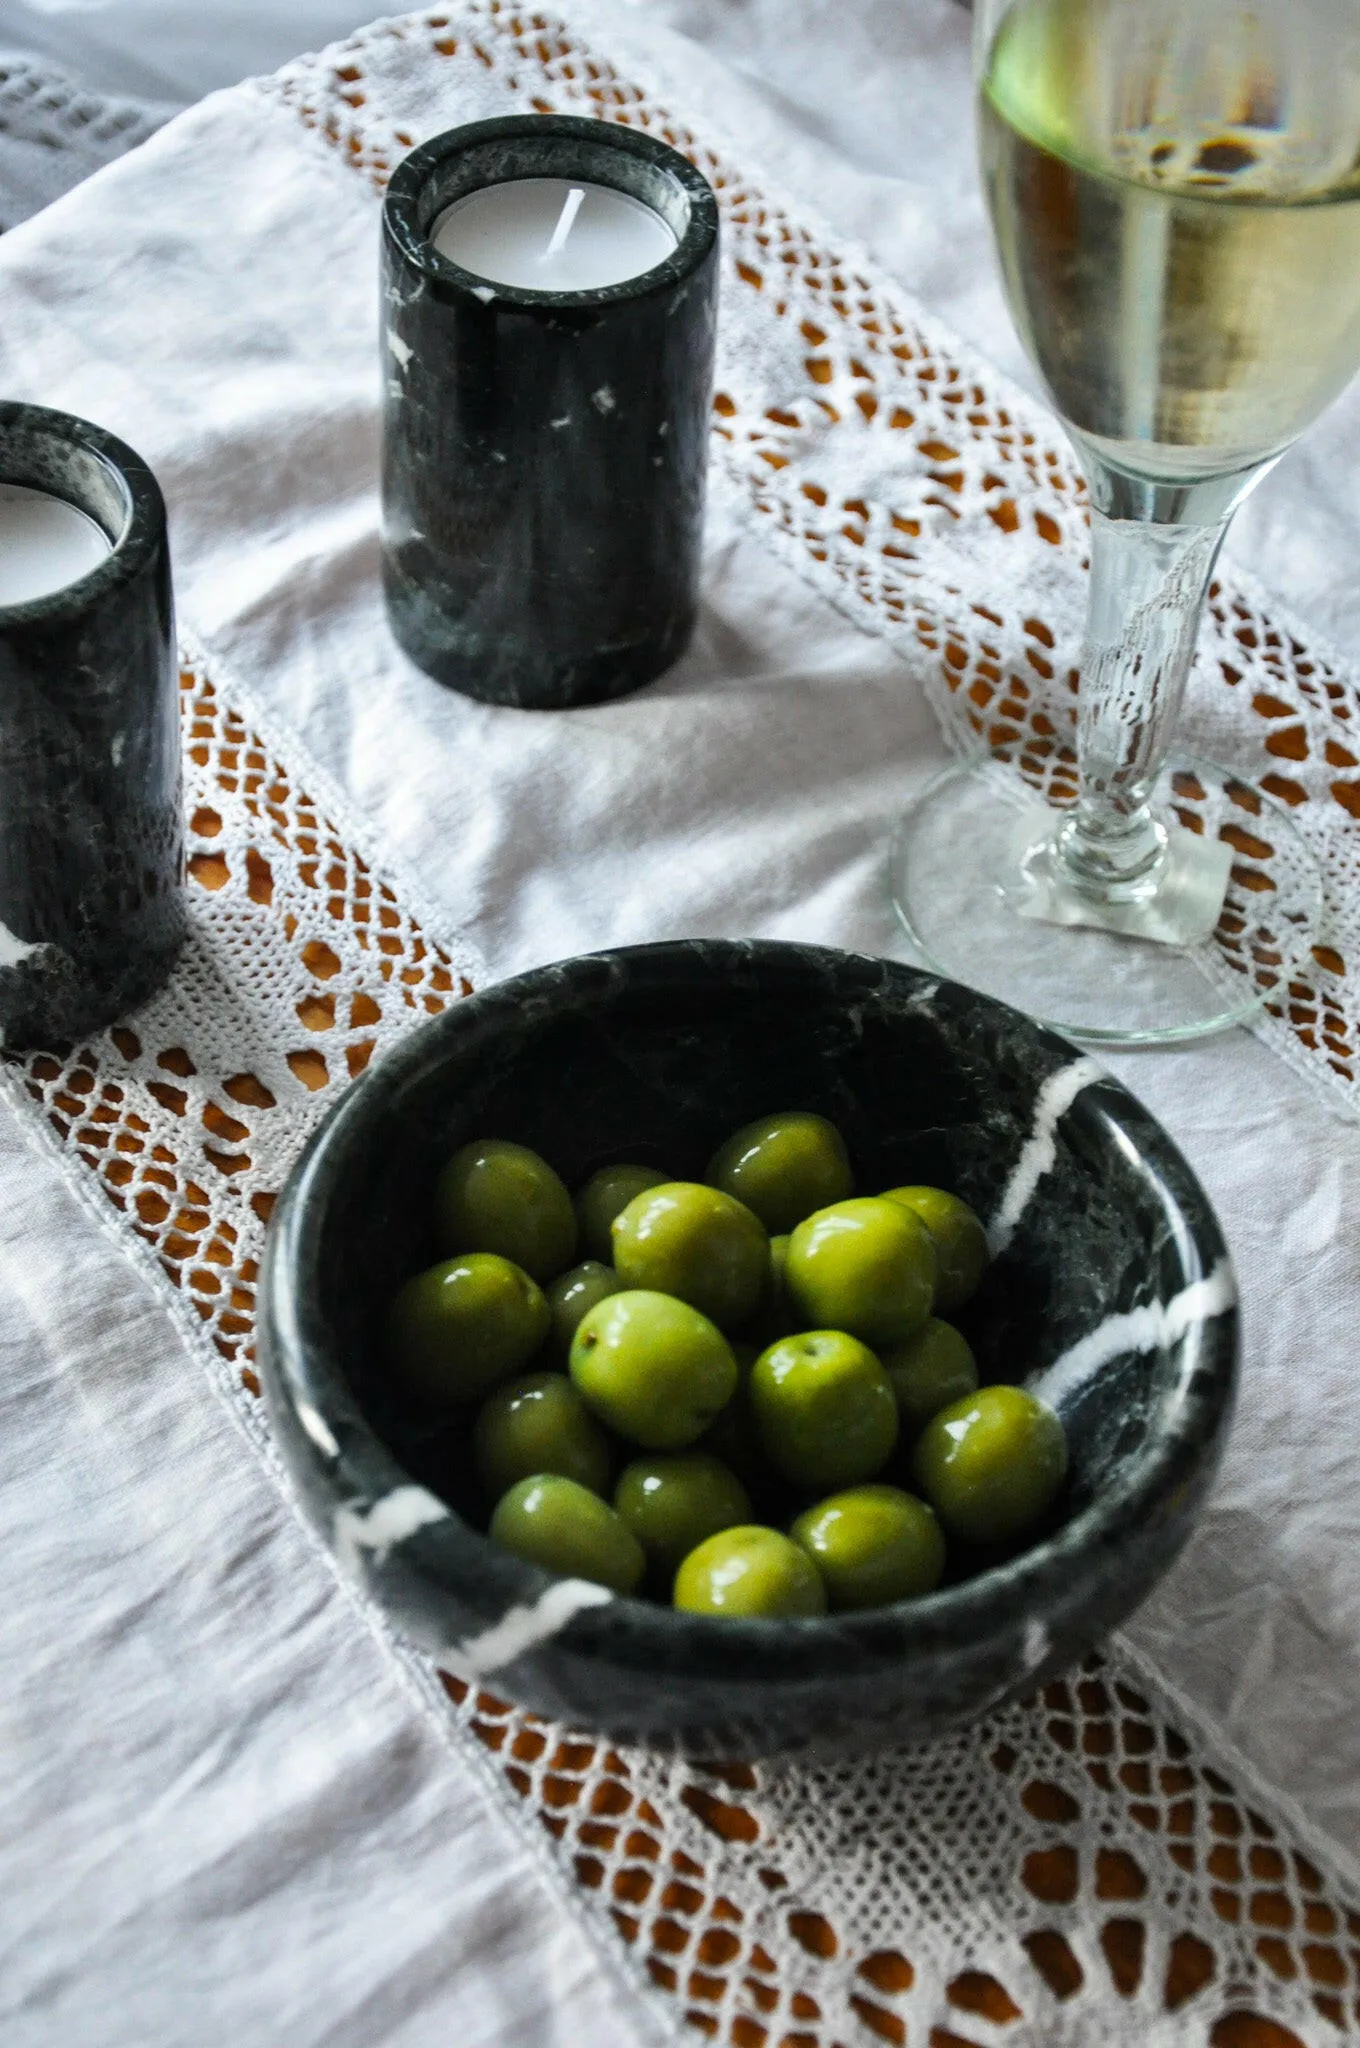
(92, 908)
(544, 451)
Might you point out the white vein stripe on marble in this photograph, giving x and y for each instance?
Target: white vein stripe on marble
(1152, 1327)
(1040, 1150)
(523, 1628)
(318, 1429)
(14, 951)
(387, 1522)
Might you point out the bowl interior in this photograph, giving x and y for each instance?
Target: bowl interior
(658, 1064)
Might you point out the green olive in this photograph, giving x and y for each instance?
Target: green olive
(671, 1504)
(960, 1242)
(460, 1328)
(602, 1198)
(539, 1424)
(571, 1294)
(928, 1371)
(784, 1167)
(653, 1368)
(991, 1464)
(551, 1521)
(497, 1197)
(866, 1266)
(696, 1243)
(872, 1545)
(823, 1409)
(750, 1571)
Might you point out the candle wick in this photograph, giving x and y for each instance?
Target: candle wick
(571, 206)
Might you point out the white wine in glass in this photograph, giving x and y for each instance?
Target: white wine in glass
(1175, 193)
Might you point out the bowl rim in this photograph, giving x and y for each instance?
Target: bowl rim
(998, 1603)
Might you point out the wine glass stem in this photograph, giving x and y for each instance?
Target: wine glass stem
(1148, 579)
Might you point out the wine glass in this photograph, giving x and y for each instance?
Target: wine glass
(1174, 188)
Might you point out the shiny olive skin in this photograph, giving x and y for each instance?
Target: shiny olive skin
(930, 1370)
(696, 1243)
(823, 1409)
(539, 1424)
(571, 1294)
(872, 1545)
(750, 1572)
(602, 1198)
(494, 1196)
(784, 1167)
(671, 1504)
(551, 1521)
(867, 1266)
(653, 1368)
(991, 1464)
(458, 1329)
(960, 1242)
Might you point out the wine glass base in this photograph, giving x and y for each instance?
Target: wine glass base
(975, 909)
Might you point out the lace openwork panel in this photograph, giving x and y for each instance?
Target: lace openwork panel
(301, 964)
(1071, 1861)
(1078, 1868)
(929, 499)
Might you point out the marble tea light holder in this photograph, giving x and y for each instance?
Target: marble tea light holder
(545, 441)
(92, 911)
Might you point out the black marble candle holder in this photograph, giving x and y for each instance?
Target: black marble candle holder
(544, 453)
(1110, 1292)
(91, 832)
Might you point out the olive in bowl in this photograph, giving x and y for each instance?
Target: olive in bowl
(1109, 1295)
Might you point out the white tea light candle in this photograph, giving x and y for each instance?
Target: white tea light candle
(45, 544)
(553, 235)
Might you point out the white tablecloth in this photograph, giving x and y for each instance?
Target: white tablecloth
(221, 1814)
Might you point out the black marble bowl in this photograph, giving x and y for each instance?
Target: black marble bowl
(1111, 1292)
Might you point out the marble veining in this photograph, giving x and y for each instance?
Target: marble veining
(1054, 1099)
(545, 453)
(524, 1628)
(1110, 1274)
(1152, 1326)
(14, 951)
(1034, 1645)
(318, 1429)
(377, 1527)
(91, 835)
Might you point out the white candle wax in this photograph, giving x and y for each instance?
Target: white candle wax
(44, 544)
(536, 233)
